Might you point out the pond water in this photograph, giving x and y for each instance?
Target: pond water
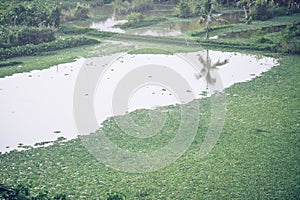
(173, 28)
(168, 28)
(38, 106)
(104, 20)
(108, 25)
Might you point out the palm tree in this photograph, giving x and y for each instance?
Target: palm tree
(208, 65)
(206, 16)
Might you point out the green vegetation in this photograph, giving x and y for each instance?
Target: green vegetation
(25, 23)
(21, 35)
(115, 196)
(31, 49)
(46, 55)
(287, 41)
(28, 27)
(126, 7)
(134, 17)
(259, 9)
(257, 155)
(189, 8)
(75, 30)
(47, 59)
(206, 16)
(141, 23)
(284, 41)
(29, 13)
(80, 12)
(149, 51)
(7, 64)
(22, 192)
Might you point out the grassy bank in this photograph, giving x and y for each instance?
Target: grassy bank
(149, 51)
(276, 21)
(142, 23)
(257, 155)
(48, 59)
(31, 49)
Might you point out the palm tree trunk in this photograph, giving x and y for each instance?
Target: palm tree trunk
(207, 32)
(290, 3)
(245, 11)
(207, 27)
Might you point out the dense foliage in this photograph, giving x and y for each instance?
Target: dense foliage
(27, 22)
(288, 41)
(134, 17)
(22, 192)
(79, 12)
(21, 35)
(28, 27)
(29, 13)
(259, 9)
(189, 8)
(264, 9)
(127, 7)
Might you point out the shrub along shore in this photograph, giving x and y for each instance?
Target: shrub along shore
(31, 49)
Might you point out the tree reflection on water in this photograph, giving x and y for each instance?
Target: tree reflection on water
(207, 68)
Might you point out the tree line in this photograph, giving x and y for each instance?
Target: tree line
(256, 9)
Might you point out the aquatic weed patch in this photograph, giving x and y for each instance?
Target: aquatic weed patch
(257, 155)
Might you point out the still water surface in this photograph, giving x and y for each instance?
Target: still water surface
(103, 19)
(38, 106)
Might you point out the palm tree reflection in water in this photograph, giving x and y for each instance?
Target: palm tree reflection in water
(208, 67)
